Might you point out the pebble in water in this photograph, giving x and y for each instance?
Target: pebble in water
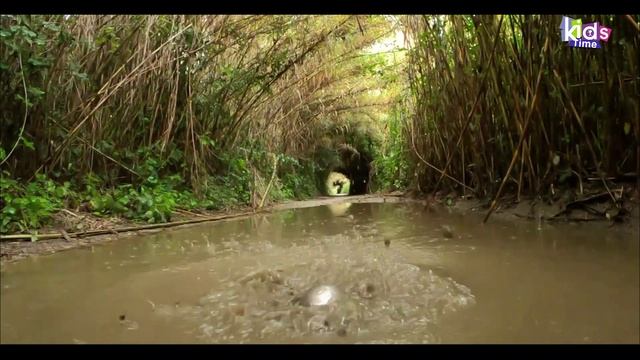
(131, 325)
(320, 296)
(366, 290)
(447, 232)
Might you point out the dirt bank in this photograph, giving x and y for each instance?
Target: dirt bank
(113, 229)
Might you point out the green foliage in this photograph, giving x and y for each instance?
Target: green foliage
(31, 206)
(390, 163)
(26, 40)
(392, 170)
(152, 201)
(297, 178)
(151, 204)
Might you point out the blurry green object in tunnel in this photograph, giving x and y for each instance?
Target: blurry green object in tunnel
(337, 184)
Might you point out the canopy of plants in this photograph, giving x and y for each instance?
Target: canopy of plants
(141, 115)
(138, 116)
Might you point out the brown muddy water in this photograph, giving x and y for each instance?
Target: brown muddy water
(395, 275)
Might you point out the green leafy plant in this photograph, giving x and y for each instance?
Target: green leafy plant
(30, 207)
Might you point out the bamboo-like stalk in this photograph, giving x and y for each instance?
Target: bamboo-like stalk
(450, 59)
(530, 111)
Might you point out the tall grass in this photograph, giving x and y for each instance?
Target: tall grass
(501, 104)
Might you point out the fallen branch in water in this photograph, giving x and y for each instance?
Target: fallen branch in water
(582, 204)
(120, 230)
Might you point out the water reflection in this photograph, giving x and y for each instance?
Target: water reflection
(339, 209)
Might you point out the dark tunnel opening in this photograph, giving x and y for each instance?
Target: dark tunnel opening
(357, 167)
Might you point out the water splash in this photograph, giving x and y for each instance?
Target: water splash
(370, 292)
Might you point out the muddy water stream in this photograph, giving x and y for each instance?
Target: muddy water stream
(392, 274)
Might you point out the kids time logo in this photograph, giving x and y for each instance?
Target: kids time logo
(583, 36)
